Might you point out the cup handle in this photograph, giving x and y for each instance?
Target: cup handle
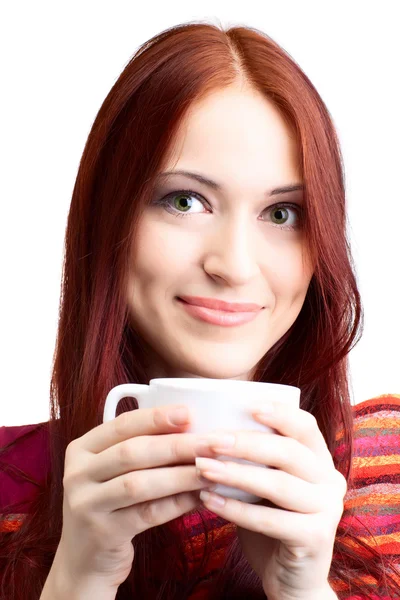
(133, 390)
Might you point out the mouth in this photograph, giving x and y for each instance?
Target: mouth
(222, 305)
(218, 317)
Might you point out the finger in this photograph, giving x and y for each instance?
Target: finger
(275, 451)
(142, 452)
(143, 421)
(297, 424)
(284, 490)
(141, 517)
(142, 486)
(288, 527)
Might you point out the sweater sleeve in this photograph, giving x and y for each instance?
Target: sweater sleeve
(372, 505)
(23, 450)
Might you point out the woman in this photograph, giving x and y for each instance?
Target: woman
(262, 219)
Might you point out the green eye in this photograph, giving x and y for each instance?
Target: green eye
(178, 199)
(282, 215)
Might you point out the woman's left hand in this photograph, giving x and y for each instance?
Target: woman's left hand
(290, 547)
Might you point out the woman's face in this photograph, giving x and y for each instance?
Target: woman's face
(229, 242)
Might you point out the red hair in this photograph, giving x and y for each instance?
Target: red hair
(97, 349)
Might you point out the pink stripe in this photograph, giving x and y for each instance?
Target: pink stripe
(387, 444)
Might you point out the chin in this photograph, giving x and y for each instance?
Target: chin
(226, 371)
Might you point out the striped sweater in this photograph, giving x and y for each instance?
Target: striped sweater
(374, 497)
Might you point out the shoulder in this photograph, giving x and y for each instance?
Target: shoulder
(374, 493)
(376, 431)
(376, 436)
(376, 460)
(372, 502)
(22, 444)
(12, 433)
(386, 403)
(24, 461)
(375, 418)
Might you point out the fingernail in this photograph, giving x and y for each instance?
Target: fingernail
(212, 499)
(265, 409)
(221, 440)
(179, 416)
(210, 487)
(209, 464)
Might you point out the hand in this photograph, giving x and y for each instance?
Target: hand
(121, 478)
(290, 548)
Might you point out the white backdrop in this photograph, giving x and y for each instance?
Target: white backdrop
(59, 61)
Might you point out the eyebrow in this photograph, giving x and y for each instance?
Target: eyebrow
(217, 186)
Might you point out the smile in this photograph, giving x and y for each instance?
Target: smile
(218, 317)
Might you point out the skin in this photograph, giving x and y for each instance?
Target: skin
(226, 245)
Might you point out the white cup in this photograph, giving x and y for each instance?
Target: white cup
(215, 405)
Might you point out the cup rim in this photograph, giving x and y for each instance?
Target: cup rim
(184, 382)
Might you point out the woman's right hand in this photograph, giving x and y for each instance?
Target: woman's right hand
(116, 485)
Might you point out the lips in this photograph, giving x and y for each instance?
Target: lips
(219, 312)
(221, 318)
(221, 305)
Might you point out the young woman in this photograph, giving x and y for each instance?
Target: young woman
(212, 177)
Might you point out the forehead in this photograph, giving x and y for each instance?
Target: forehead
(240, 137)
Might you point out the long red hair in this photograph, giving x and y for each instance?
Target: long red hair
(97, 349)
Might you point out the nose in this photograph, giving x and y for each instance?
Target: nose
(230, 252)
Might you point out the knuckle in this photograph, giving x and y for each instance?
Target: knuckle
(322, 533)
(291, 448)
(242, 509)
(309, 529)
(179, 500)
(74, 469)
(72, 477)
(174, 448)
(312, 422)
(125, 454)
(70, 452)
(281, 488)
(147, 513)
(183, 501)
(342, 482)
(322, 498)
(122, 424)
(78, 506)
(131, 486)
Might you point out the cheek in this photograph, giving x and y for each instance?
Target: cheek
(162, 255)
(290, 264)
(288, 274)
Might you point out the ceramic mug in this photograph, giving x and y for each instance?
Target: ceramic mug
(215, 405)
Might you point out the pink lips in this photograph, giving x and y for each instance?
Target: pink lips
(212, 311)
(216, 304)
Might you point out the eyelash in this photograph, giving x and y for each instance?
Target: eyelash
(164, 202)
